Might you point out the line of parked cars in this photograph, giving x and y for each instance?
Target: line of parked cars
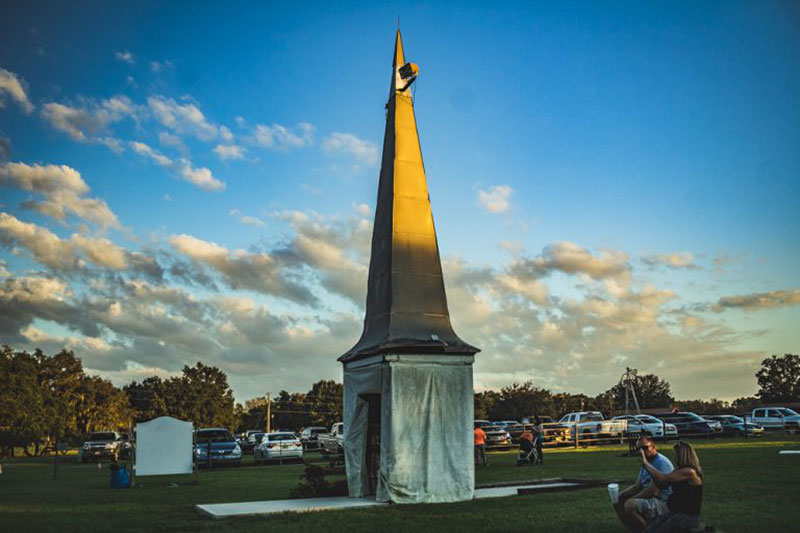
(219, 446)
(592, 426)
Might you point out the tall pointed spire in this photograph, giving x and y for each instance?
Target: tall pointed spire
(406, 302)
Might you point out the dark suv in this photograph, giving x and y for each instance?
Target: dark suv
(688, 424)
(102, 445)
(308, 437)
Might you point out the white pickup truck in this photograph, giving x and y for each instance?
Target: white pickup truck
(592, 425)
(331, 443)
(776, 418)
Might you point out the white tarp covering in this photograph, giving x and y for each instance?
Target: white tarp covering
(426, 453)
(163, 446)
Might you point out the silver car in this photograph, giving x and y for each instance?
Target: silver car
(649, 425)
(278, 446)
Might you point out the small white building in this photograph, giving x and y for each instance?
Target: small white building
(408, 396)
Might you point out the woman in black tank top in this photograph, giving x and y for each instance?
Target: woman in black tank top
(687, 491)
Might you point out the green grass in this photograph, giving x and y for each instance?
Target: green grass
(749, 487)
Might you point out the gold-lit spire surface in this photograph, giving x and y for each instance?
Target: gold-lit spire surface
(406, 302)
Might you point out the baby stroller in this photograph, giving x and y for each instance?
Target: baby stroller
(527, 453)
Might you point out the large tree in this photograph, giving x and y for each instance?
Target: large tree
(99, 405)
(483, 403)
(147, 398)
(201, 394)
(517, 401)
(50, 399)
(23, 419)
(324, 402)
(779, 379)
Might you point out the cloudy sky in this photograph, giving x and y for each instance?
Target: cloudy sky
(614, 184)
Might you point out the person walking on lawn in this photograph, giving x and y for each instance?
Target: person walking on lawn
(644, 501)
(480, 446)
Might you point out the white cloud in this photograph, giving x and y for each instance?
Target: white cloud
(363, 151)
(757, 301)
(12, 86)
(229, 151)
(125, 57)
(280, 137)
(47, 248)
(145, 150)
(570, 258)
(201, 177)
(63, 189)
(101, 251)
(495, 199)
(242, 270)
(160, 66)
(247, 219)
(182, 118)
(89, 121)
(671, 260)
(225, 134)
(172, 141)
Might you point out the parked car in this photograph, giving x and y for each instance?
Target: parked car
(496, 436)
(102, 445)
(482, 423)
(516, 431)
(252, 440)
(216, 446)
(776, 418)
(126, 446)
(309, 437)
(331, 443)
(591, 425)
(734, 426)
(648, 425)
(688, 424)
(504, 423)
(273, 446)
(246, 442)
(713, 424)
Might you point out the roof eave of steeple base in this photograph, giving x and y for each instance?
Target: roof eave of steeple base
(408, 346)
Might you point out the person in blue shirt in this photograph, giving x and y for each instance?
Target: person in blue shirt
(644, 501)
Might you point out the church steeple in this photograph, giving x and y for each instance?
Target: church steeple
(406, 302)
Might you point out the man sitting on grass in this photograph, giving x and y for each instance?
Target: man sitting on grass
(643, 501)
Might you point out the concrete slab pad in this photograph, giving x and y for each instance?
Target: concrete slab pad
(499, 492)
(226, 510)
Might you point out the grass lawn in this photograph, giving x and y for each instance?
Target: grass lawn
(749, 487)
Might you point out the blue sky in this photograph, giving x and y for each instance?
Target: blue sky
(613, 184)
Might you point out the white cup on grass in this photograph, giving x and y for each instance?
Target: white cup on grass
(613, 492)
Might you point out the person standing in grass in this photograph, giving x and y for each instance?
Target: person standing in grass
(644, 501)
(480, 446)
(687, 491)
(538, 437)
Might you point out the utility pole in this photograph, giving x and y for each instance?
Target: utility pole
(269, 414)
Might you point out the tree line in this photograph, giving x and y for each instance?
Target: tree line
(49, 399)
(46, 400)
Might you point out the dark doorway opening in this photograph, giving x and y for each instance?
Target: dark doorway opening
(373, 451)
